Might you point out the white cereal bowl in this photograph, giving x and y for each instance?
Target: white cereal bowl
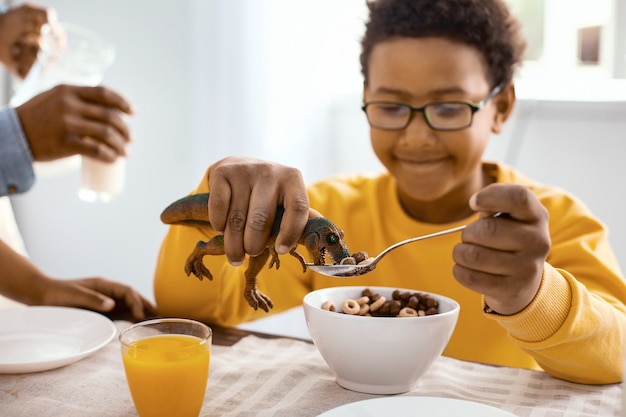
(377, 355)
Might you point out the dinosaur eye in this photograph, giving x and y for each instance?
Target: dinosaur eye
(332, 238)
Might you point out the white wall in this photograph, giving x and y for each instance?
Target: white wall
(213, 78)
(579, 146)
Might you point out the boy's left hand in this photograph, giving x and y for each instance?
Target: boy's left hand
(503, 257)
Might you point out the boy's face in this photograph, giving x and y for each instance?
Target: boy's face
(432, 166)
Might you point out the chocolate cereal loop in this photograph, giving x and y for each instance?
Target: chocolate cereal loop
(401, 304)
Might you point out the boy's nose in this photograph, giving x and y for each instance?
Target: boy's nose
(418, 130)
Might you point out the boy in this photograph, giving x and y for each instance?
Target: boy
(538, 287)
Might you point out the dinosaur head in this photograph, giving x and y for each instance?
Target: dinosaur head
(321, 237)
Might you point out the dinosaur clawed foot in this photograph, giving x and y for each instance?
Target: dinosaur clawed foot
(195, 266)
(256, 299)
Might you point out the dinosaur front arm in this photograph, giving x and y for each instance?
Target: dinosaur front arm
(294, 252)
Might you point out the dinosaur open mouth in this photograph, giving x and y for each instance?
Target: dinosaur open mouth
(322, 258)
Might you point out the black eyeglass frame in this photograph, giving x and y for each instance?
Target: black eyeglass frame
(473, 106)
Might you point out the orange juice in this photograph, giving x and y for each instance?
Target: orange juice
(167, 374)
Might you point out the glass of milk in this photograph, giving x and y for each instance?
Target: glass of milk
(101, 181)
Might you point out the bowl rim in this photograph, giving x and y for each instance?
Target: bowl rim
(453, 311)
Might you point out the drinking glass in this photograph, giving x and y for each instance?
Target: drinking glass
(167, 366)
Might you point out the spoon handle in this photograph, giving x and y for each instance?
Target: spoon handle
(415, 239)
(439, 233)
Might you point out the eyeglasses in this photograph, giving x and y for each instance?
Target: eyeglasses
(440, 115)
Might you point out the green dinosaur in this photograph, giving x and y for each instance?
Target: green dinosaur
(320, 237)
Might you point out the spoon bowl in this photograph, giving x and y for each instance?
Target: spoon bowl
(342, 271)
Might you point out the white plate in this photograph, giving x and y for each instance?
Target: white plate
(34, 339)
(413, 406)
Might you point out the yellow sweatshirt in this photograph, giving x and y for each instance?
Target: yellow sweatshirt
(574, 328)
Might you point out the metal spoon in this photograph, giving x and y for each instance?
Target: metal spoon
(351, 271)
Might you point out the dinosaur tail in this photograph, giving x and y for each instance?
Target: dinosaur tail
(192, 209)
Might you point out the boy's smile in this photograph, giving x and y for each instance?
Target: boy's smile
(433, 168)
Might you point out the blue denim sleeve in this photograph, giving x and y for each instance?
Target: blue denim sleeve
(16, 161)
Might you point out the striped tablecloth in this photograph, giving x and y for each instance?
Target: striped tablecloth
(286, 377)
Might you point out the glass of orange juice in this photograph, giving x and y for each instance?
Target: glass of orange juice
(167, 366)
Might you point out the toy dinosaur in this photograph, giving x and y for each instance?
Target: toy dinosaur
(320, 237)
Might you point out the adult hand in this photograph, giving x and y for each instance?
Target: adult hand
(68, 120)
(503, 257)
(245, 193)
(97, 294)
(20, 36)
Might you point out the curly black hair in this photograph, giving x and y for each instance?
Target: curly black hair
(486, 25)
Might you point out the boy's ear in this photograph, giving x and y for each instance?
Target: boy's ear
(504, 102)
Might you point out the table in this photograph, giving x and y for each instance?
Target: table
(257, 375)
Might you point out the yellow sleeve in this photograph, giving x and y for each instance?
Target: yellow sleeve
(572, 333)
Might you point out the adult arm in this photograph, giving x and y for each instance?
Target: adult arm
(22, 281)
(63, 121)
(16, 161)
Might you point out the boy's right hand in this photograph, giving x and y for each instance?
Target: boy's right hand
(503, 258)
(245, 193)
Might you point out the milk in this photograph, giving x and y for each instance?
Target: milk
(101, 181)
